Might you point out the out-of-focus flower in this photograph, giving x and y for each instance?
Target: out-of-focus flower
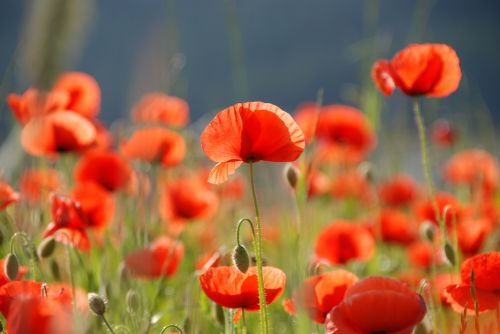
(399, 190)
(443, 134)
(83, 91)
(395, 226)
(7, 195)
(161, 108)
(36, 184)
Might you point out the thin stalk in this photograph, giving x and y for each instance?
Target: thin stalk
(264, 322)
(244, 322)
(107, 324)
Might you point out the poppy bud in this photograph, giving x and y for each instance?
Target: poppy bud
(291, 174)
(11, 266)
(449, 252)
(366, 170)
(428, 231)
(132, 301)
(96, 304)
(240, 258)
(46, 247)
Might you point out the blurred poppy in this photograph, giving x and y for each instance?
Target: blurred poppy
(107, 169)
(351, 184)
(343, 241)
(475, 168)
(377, 305)
(96, 204)
(425, 210)
(34, 103)
(317, 183)
(36, 184)
(472, 233)
(443, 134)
(7, 195)
(432, 70)
(4, 279)
(57, 132)
(396, 227)
(442, 281)
(161, 258)
(319, 294)
(486, 269)
(155, 144)
(187, 199)
(250, 132)
(228, 287)
(161, 108)
(399, 190)
(422, 253)
(83, 91)
(344, 133)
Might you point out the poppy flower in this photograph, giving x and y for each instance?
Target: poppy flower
(486, 269)
(396, 227)
(425, 210)
(250, 132)
(399, 190)
(472, 233)
(343, 241)
(473, 168)
(7, 195)
(161, 108)
(344, 133)
(96, 204)
(155, 144)
(83, 91)
(36, 184)
(320, 293)
(377, 305)
(4, 279)
(36, 103)
(443, 134)
(317, 183)
(432, 70)
(57, 132)
(421, 254)
(229, 287)
(352, 185)
(107, 169)
(160, 258)
(187, 199)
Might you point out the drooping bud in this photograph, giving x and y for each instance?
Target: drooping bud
(291, 175)
(366, 170)
(428, 231)
(240, 258)
(132, 301)
(96, 304)
(449, 252)
(11, 266)
(46, 247)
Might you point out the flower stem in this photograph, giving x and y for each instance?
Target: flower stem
(264, 322)
(107, 324)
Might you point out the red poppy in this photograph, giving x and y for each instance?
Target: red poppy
(250, 132)
(107, 169)
(36, 103)
(443, 134)
(472, 233)
(155, 144)
(4, 279)
(160, 258)
(473, 168)
(36, 184)
(343, 241)
(486, 269)
(319, 294)
(442, 281)
(422, 253)
(318, 183)
(83, 91)
(7, 195)
(344, 133)
(230, 288)
(432, 70)
(399, 190)
(396, 227)
(187, 199)
(425, 210)
(377, 305)
(352, 185)
(161, 108)
(57, 132)
(96, 204)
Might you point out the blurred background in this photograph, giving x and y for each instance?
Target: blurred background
(215, 53)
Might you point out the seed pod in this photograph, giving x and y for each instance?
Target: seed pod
(132, 301)
(291, 174)
(96, 304)
(428, 231)
(11, 266)
(449, 252)
(240, 258)
(46, 247)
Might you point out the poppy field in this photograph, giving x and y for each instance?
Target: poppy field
(259, 220)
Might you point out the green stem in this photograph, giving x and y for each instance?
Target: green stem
(264, 322)
(244, 320)
(107, 324)
(27, 243)
(238, 227)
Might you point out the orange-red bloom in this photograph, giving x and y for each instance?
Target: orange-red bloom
(396, 227)
(446, 203)
(161, 108)
(35, 103)
(83, 91)
(155, 144)
(344, 133)
(96, 204)
(376, 305)
(230, 288)
(343, 241)
(432, 70)
(351, 184)
(107, 169)
(250, 132)
(443, 134)
(7, 195)
(36, 184)
(160, 258)
(486, 269)
(399, 190)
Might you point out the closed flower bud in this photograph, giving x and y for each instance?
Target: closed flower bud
(291, 174)
(428, 231)
(449, 252)
(240, 258)
(11, 266)
(46, 247)
(96, 304)
(132, 301)
(366, 170)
